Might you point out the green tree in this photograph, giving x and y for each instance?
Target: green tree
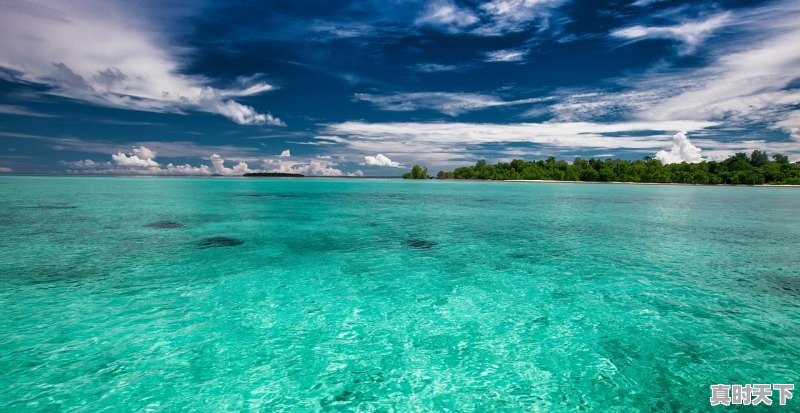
(758, 158)
(758, 168)
(417, 172)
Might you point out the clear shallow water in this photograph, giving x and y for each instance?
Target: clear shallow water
(391, 295)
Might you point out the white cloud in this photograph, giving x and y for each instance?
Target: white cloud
(141, 157)
(381, 160)
(445, 13)
(507, 55)
(286, 153)
(241, 114)
(645, 3)
(514, 15)
(219, 168)
(746, 81)
(309, 167)
(143, 152)
(681, 151)
(186, 170)
(557, 134)
(5, 170)
(452, 104)
(573, 106)
(141, 161)
(791, 124)
(690, 33)
(84, 164)
(493, 18)
(342, 30)
(434, 67)
(451, 143)
(107, 54)
(22, 111)
(174, 149)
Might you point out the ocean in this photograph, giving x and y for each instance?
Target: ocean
(180, 294)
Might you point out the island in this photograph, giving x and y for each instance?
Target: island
(739, 169)
(273, 175)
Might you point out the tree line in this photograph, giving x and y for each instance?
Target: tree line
(739, 169)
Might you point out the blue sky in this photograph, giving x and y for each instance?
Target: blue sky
(372, 87)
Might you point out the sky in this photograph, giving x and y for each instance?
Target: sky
(352, 88)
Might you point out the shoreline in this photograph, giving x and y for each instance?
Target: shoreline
(377, 178)
(550, 181)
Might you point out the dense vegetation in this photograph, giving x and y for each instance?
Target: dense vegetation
(273, 175)
(755, 169)
(416, 173)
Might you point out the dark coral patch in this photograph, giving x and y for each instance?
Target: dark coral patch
(164, 225)
(55, 207)
(421, 244)
(266, 195)
(212, 242)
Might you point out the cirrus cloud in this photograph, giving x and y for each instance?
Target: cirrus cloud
(452, 104)
(690, 33)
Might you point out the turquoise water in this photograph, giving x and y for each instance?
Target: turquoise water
(158, 294)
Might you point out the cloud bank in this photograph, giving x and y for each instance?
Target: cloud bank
(141, 161)
(317, 166)
(450, 143)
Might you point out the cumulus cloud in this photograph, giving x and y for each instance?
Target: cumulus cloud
(317, 166)
(5, 170)
(690, 33)
(107, 54)
(219, 168)
(381, 160)
(135, 161)
(452, 104)
(507, 55)
(286, 153)
(681, 151)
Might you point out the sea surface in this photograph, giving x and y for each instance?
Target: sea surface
(181, 294)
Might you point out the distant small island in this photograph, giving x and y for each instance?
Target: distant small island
(273, 175)
(740, 169)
